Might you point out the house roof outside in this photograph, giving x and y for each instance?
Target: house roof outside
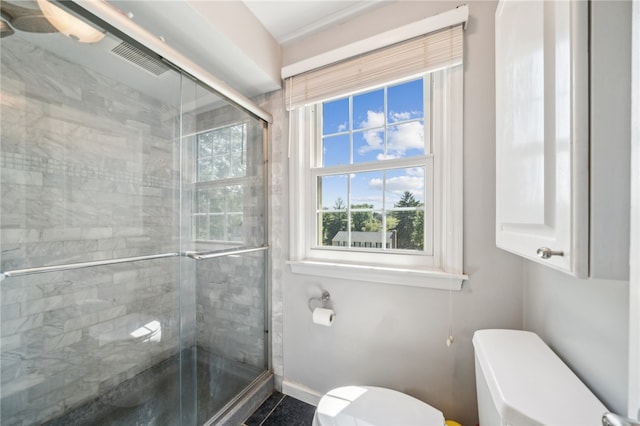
(361, 236)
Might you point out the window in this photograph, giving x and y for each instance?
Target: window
(218, 198)
(376, 172)
(373, 170)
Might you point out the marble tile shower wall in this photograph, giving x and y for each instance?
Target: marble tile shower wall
(230, 308)
(230, 292)
(88, 173)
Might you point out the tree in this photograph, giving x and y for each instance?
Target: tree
(332, 222)
(360, 221)
(406, 221)
(417, 237)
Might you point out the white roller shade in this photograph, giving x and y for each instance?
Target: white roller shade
(439, 49)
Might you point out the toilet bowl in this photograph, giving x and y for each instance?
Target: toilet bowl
(368, 405)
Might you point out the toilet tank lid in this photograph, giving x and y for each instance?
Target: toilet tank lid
(529, 384)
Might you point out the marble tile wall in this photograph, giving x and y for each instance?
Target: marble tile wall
(278, 225)
(88, 172)
(230, 308)
(231, 291)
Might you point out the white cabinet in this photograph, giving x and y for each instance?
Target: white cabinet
(543, 128)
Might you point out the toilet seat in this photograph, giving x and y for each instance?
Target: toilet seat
(369, 405)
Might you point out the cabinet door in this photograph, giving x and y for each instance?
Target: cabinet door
(542, 131)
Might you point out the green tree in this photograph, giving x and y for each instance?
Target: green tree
(406, 221)
(360, 221)
(332, 222)
(417, 237)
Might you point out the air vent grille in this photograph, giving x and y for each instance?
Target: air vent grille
(140, 58)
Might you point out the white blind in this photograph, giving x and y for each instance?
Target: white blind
(422, 54)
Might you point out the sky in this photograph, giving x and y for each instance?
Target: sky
(404, 127)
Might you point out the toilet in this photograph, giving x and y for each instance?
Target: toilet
(369, 405)
(521, 381)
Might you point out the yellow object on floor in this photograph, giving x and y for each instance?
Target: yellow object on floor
(451, 423)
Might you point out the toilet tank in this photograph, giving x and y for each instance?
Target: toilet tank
(520, 381)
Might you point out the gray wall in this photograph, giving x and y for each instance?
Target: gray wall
(586, 322)
(388, 335)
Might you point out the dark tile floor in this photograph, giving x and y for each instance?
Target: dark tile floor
(282, 410)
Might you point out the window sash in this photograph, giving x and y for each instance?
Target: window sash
(426, 162)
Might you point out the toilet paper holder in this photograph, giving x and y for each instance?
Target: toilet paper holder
(322, 300)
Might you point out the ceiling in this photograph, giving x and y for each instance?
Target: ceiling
(196, 29)
(240, 42)
(289, 21)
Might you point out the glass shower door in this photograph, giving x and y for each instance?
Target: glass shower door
(89, 233)
(224, 235)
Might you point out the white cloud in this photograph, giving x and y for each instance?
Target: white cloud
(405, 183)
(381, 156)
(342, 127)
(375, 200)
(399, 116)
(374, 142)
(403, 115)
(375, 183)
(413, 182)
(374, 119)
(400, 138)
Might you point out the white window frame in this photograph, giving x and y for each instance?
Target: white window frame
(442, 270)
(331, 253)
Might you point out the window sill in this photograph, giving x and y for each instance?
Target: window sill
(432, 279)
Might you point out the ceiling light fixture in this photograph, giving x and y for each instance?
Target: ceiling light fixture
(68, 24)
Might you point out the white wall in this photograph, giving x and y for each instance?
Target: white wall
(389, 335)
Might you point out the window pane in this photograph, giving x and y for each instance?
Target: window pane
(364, 219)
(220, 141)
(333, 229)
(403, 187)
(405, 140)
(335, 116)
(366, 188)
(235, 227)
(332, 192)
(205, 145)
(368, 146)
(216, 227)
(409, 229)
(216, 201)
(201, 201)
(200, 227)
(335, 150)
(237, 164)
(221, 167)
(234, 199)
(368, 110)
(404, 191)
(205, 169)
(405, 101)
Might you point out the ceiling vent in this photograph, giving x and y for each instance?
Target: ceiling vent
(145, 61)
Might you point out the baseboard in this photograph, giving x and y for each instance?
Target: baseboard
(301, 392)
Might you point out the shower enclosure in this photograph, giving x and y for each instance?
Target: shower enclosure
(133, 234)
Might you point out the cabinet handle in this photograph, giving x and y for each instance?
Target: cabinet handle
(546, 253)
